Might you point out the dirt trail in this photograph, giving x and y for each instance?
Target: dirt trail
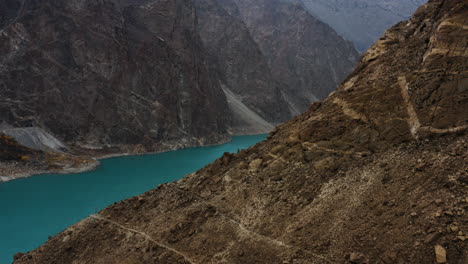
(144, 235)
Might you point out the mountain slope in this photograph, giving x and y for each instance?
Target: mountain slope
(134, 78)
(303, 53)
(376, 173)
(139, 78)
(362, 21)
(272, 55)
(242, 69)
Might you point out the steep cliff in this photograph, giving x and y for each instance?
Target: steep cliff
(303, 53)
(17, 160)
(138, 78)
(376, 173)
(254, 95)
(272, 56)
(109, 73)
(362, 21)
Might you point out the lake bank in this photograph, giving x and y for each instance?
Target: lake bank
(13, 170)
(37, 207)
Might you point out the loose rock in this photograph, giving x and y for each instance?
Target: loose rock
(441, 254)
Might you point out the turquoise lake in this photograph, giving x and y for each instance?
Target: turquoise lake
(32, 209)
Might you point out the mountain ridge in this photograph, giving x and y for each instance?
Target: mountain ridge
(148, 76)
(376, 173)
(362, 21)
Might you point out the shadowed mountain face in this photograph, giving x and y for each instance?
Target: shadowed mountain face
(303, 53)
(376, 173)
(136, 74)
(273, 56)
(362, 21)
(243, 71)
(155, 75)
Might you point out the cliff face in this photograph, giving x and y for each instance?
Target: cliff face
(272, 56)
(254, 95)
(109, 73)
(303, 53)
(139, 78)
(362, 21)
(376, 173)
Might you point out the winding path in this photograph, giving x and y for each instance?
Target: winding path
(144, 235)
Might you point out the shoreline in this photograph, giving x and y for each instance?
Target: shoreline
(31, 172)
(65, 170)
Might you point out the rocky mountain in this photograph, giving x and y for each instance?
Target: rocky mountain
(17, 160)
(362, 21)
(376, 173)
(303, 53)
(136, 76)
(272, 56)
(253, 94)
(156, 75)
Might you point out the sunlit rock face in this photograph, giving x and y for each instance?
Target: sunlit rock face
(362, 21)
(109, 73)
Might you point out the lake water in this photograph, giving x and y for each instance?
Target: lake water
(32, 209)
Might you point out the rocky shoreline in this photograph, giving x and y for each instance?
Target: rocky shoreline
(18, 169)
(17, 172)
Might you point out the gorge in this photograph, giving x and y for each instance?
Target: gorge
(375, 173)
(150, 76)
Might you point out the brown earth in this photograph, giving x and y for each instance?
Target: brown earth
(376, 173)
(18, 161)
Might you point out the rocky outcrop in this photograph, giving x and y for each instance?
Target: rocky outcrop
(18, 161)
(139, 78)
(241, 66)
(110, 73)
(273, 72)
(11, 150)
(35, 138)
(362, 21)
(303, 53)
(376, 173)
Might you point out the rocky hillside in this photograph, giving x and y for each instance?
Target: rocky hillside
(252, 92)
(362, 21)
(11, 150)
(272, 56)
(303, 53)
(20, 161)
(376, 173)
(151, 75)
(109, 73)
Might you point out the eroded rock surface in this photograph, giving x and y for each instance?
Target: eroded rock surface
(253, 94)
(18, 161)
(305, 54)
(110, 73)
(139, 78)
(35, 138)
(272, 57)
(362, 21)
(375, 173)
